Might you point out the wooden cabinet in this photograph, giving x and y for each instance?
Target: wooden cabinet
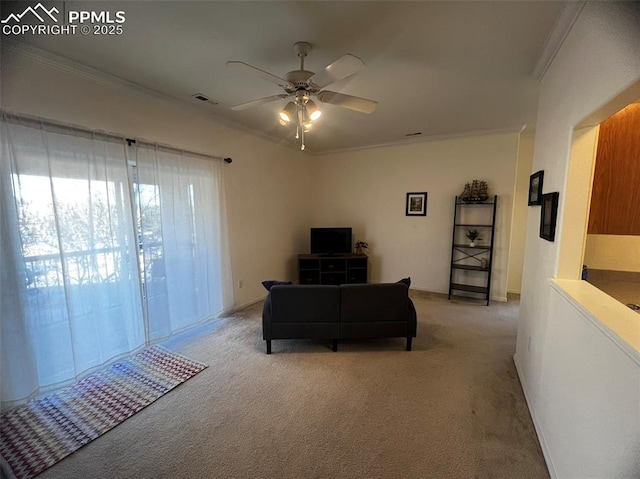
(615, 196)
(335, 269)
(471, 265)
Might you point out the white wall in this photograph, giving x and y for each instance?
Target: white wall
(582, 392)
(366, 189)
(266, 184)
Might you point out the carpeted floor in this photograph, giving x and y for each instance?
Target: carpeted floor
(451, 408)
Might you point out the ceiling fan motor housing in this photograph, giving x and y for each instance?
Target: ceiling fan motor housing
(299, 79)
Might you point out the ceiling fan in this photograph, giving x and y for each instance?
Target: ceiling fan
(301, 85)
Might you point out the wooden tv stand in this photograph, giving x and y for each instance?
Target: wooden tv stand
(333, 269)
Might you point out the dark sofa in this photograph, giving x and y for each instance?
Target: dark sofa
(349, 311)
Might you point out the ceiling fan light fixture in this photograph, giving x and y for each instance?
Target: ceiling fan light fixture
(300, 85)
(287, 113)
(313, 110)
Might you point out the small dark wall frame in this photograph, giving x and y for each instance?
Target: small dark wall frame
(535, 188)
(548, 216)
(416, 204)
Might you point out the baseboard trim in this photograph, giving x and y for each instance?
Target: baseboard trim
(536, 423)
(502, 299)
(240, 307)
(426, 290)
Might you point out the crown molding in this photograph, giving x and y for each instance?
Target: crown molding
(114, 82)
(424, 139)
(556, 37)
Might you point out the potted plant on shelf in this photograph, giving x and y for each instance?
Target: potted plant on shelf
(473, 235)
(360, 246)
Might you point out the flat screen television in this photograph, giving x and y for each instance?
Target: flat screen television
(330, 240)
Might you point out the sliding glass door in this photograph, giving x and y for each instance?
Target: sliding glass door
(103, 249)
(70, 243)
(180, 215)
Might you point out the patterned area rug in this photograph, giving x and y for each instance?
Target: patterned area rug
(35, 436)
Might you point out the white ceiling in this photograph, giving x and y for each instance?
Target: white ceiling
(439, 68)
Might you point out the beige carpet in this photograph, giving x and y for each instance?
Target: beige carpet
(451, 408)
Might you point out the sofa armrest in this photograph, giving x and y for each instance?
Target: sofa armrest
(266, 318)
(412, 320)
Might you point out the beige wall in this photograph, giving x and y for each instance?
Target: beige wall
(261, 183)
(580, 379)
(520, 211)
(366, 189)
(613, 252)
(576, 202)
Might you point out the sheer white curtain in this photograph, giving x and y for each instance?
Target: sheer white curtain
(103, 249)
(70, 285)
(181, 205)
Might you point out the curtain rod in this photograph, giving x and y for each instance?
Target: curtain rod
(104, 134)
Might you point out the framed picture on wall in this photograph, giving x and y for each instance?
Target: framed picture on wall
(416, 204)
(548, 216)
(535, 188)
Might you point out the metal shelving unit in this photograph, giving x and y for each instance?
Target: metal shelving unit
(467, 272)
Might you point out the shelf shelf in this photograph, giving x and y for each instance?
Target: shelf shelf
(476, 226)
(470, 288)
(475, 204)
(469, 267)
(484, 247)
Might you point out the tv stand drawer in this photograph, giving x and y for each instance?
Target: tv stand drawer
(312, 264)
(332, 264)
(333, 278)
(309, 277)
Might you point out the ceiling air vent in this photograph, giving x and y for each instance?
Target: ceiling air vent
(201, 97)
(418, 133)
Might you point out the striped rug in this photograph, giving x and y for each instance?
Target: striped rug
(35, 436)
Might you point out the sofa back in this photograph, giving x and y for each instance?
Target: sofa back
(305, 303)
(374, 302)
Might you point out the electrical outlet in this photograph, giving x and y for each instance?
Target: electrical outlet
(240, 284)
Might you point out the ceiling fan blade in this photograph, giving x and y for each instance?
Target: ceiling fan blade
(341, 68)
(259, 101)
(347, 101)
(281, 82)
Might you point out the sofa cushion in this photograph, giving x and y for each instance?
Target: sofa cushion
(305, 303)
(374, 302)
(406, 281)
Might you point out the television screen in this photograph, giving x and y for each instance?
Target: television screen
(330, 240)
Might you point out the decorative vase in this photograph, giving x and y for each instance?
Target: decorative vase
(358, 250)
(472, 244)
